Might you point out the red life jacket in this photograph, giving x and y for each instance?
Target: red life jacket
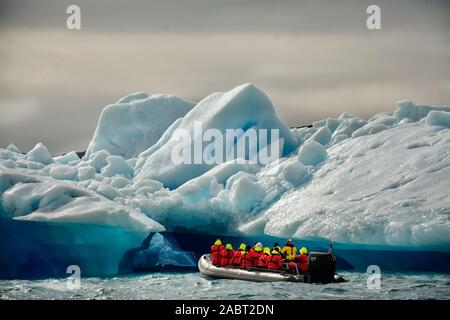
(246, 260)
(302, 260)
(275, 262)
(226, 257)
(255, 257)
(264, 260)
(237, 258)
(215, 254)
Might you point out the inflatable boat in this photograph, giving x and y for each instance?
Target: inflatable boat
(322, 267)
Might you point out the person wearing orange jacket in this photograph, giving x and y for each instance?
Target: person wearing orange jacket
(247, 258)
(302, 260)
(276, 261)
(215, 252)
(265, 258)
(257, 254)
(236, 261)
(226, 255)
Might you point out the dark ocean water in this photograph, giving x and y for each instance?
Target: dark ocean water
(179, 285)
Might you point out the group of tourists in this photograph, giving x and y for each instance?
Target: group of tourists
(257, 256)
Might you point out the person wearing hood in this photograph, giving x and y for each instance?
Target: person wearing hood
(265, 258)
(237, 258)
(302, 260)
(275, 262)
(226, 255)
(216, 248)
(276, 246)
(289, 251)
(257, 254)
(247, 258)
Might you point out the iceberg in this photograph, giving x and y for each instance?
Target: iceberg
(438, 118)
(36, 249)
(243, 108)
(12, 147)
(86, 173)
(27, 197)
(163, 251)
(408, 111)
(47, 225)
(384, 189)
(136, 122)
(61, 172)
(117, 165)
(40, 154)
(312, 153)
(67, 158)
(372, 186)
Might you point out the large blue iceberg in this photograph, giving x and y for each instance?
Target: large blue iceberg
(378, 188)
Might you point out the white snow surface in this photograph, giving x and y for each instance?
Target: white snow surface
(389, 188)
(382, 181)
(136, 122)
(245, 107)
(40, 198)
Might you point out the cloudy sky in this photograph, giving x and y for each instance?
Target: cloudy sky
(314, 59)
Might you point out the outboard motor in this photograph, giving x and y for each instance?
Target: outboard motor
(322, 267)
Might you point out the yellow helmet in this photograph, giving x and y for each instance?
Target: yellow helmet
(303, 250)
(229, 246)
(242, 246)
(218, 242)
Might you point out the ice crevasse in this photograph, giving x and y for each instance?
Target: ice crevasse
(379, 182)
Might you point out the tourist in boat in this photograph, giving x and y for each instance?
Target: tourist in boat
(302, 260)
(276, 246)
(258, 245)
(257, 254)
(226, 255)
(264, 259)
(289, 251)
(247, 260)
(276, 261)
(237, 258)
(215, 252)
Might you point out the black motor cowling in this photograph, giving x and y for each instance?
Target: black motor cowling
(321, 267)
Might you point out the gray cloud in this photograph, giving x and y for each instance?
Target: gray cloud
(314, 59)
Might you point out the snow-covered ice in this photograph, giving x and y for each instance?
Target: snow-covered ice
(312, 153)
(438, 118)
(244, 107)
(382, 181)
(388, 189)
(135, 123)
(39, 154)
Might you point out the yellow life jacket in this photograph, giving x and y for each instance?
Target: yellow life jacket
(289, 252)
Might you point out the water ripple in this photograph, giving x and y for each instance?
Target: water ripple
(194, 286)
